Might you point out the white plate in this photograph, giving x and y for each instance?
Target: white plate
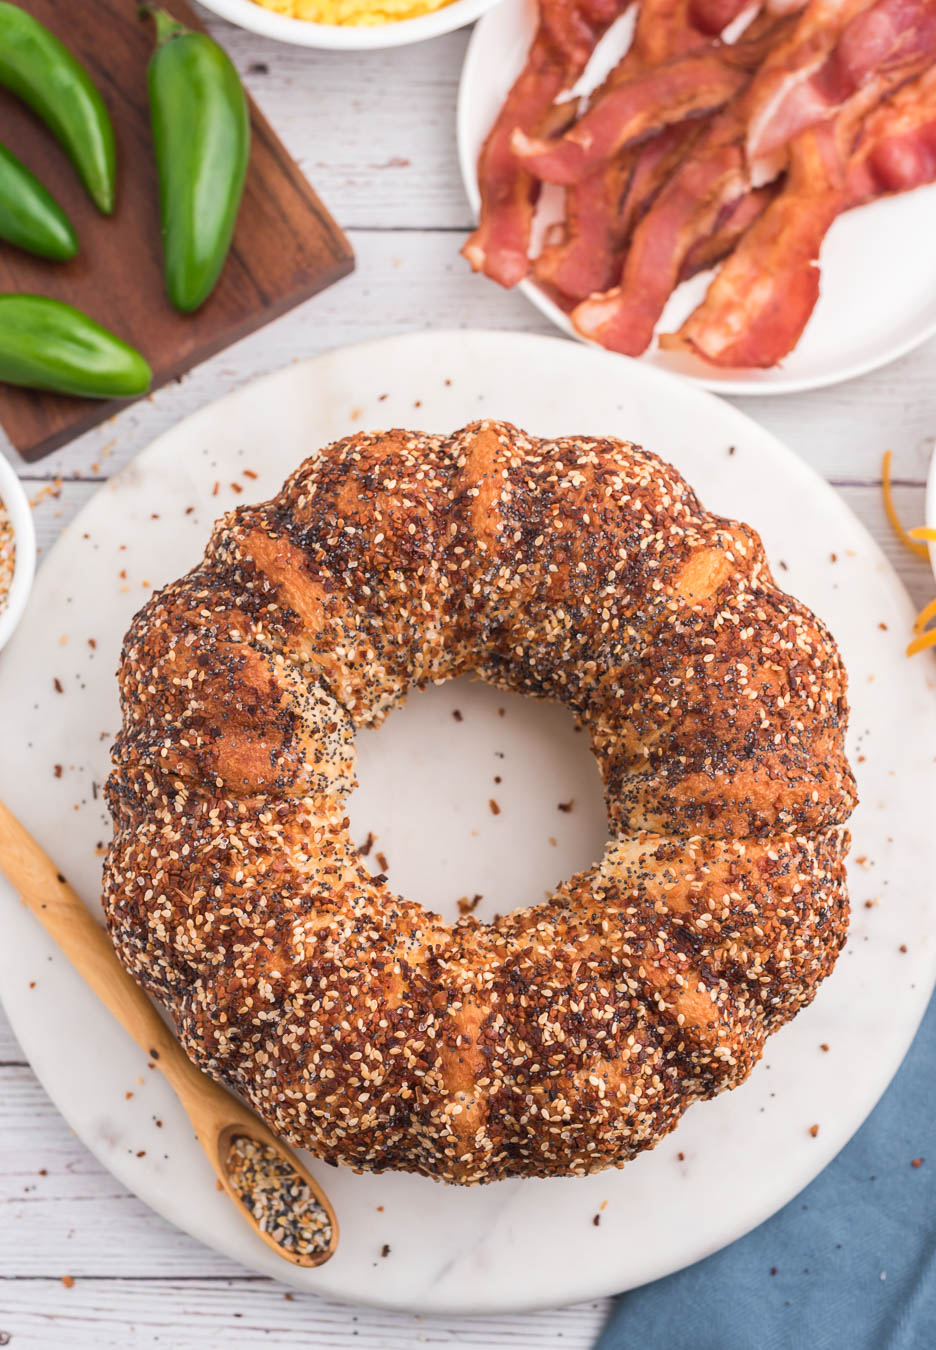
(426, 781)
(878, 264)
(348, 38)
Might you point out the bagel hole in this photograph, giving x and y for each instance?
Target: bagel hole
(466, 791)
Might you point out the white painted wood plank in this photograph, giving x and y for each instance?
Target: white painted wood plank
(244, 1314)
(374, 132)
(10, 1053)
(417, 280)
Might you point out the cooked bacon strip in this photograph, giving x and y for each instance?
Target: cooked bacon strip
(690, 87)
(585, 254)
(686, 211)
(817, 30)
(759, 303)
(736, 219)
(565, 39)
(897, 149)
(878, 38)
(713, 16)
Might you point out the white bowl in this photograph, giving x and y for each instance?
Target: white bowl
(20, 513)
(341, 37)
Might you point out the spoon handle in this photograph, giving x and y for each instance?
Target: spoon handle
(84, 941)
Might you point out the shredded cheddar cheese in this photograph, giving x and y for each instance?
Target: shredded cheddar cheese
(915, 540)
(905, 537)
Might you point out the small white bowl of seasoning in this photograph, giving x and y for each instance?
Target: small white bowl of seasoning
(17, 550)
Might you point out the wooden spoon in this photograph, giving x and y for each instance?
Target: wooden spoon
(220, 1120)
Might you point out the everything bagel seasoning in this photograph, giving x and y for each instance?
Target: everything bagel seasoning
(7, 556)
(278, 1197)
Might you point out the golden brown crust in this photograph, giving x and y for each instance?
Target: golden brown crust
(563, 1037)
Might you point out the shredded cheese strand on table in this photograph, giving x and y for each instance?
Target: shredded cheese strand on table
(914, 540)
(920, 550)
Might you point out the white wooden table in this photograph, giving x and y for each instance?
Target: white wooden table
(375, 134)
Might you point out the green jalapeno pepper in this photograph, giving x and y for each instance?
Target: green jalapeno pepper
(45, 344)
(30, 217)
(201, 136)
(39, 69)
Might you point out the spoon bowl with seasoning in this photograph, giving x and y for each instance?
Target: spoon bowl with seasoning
(274, 1191)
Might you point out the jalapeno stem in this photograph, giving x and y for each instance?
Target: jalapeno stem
(166, 26)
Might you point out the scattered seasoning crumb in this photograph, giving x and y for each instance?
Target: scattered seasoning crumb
(495, 809)
(141, 1153)
(457, 714)
(917, 1162)
(382, 861)
(32, 984)
(824, 1047)
(814, 1130)
(731, 449)
(261, 68)
(567, 806)
(681, 1157)
(249, 473)
(127, 1096)
(502, 712)
(903, 947)
(57, 770)
(773, 1270)
(215, 489)
(497, 778)
(553, 841)
(92, 643)
(68, 1281)
(278, 1197)
(44, 1171)
(366, 846)
(597, 1220)
(883, 627)
(236, 487)
(466, 906)
(385, 1249)
(289, 1297)
(833, 557)
(57, 685)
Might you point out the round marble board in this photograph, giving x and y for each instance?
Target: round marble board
(427, 782)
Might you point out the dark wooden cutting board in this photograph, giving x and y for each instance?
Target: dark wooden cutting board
(286, 246)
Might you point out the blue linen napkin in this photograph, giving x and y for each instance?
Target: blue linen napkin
(849, 1264)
